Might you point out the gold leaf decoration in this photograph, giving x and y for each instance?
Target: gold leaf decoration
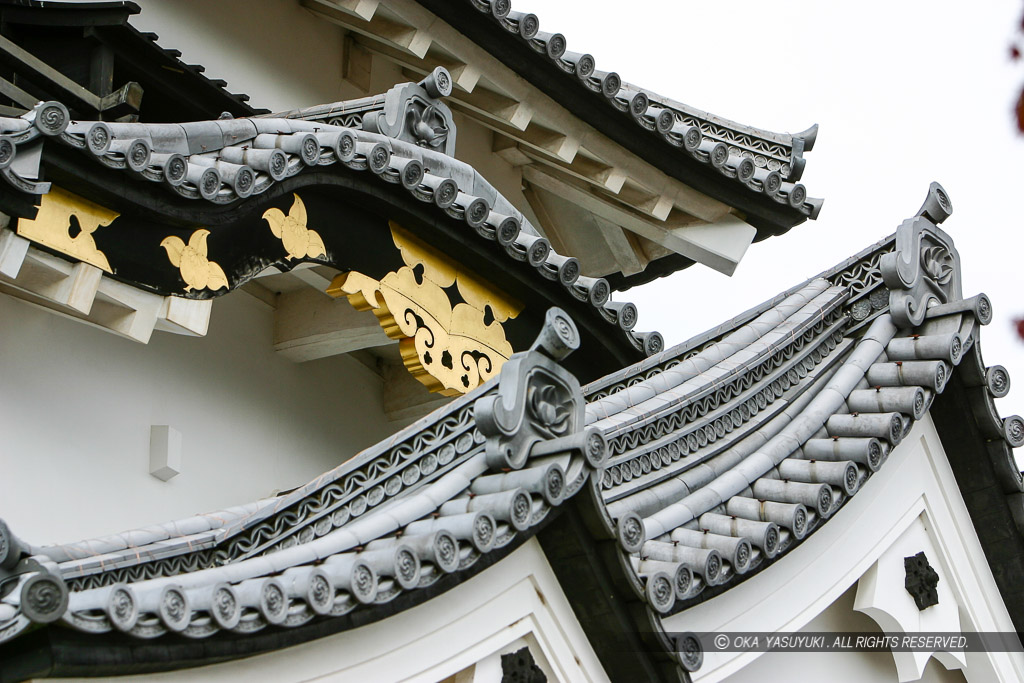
(197, 271)
(66, 223)
(451, 350)
(298, 240)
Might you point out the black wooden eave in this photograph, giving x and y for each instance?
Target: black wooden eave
(157, 210)
(592, 570)
(984, 493)
(56, 652)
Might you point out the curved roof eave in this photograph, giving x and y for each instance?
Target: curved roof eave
(649, 125)
(396, 525)
(730, 449)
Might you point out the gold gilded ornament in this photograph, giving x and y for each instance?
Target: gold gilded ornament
(299, 241)
(451, 350)
(197, 271)
(66, 223)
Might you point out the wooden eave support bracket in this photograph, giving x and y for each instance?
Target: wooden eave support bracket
(411, 39)
(309, 324)
(83, 292)
(128, 97)
(719, 245)
(362, 9)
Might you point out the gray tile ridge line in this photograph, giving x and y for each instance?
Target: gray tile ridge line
(761, 424)
(825, 404)
(718, 352)
(715, 376)
(622, 95)
(705, 471)
(343, 539)
(112, 543)
(724, 328)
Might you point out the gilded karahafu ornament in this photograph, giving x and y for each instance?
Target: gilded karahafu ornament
(451, 350)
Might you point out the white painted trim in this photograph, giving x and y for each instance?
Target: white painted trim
(916, 481)
(514, 601)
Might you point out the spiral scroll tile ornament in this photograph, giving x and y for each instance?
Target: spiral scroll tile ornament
(225, 608)
(688, 647)
(522, 509)
(44, 598)
(363, 584)
(51, 118)
(174, 609)
(446, 552)
(320, 593)
(896, 428)
(1013, 431)
(851, 479)
(984, 309)
(771, 540)
(683, 580)
(98, 138)
(661, 593)
(8, 150)
(407, 568)
(998, 381)
(529, 25)
(175, 169)
(138, 155)
(554, 485)
(800, 521)
(273, 603)
(743, 555)
(483, 532)
(596, 449)
(631, 532)
(122, 608)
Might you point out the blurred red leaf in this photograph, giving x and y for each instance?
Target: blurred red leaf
(1014, 52)
(1019, 323)
(1020, 112)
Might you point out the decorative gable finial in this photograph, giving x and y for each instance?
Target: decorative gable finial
(414, 112)
(538, 409)
(924, 269)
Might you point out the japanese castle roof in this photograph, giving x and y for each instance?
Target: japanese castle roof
(698, 468)
(752, 172)
(236, 162)
(758, 170)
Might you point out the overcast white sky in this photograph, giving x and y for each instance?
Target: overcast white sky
(904, 93)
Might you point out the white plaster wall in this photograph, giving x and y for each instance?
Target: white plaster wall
(278, 53)
(514, 602)
(77, 403)
(837, 666)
